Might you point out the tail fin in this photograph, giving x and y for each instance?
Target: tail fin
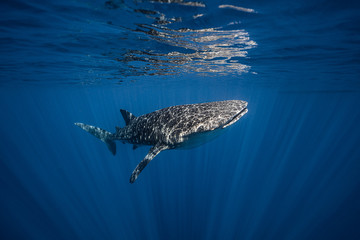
(102, 134)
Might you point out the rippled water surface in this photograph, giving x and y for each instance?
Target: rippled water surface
(288, 169)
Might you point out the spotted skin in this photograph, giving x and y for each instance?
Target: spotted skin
(170, 128)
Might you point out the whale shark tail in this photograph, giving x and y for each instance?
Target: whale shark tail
(103, 135)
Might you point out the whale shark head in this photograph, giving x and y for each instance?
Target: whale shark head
(211, 121)
(203, 117)
(236, 111)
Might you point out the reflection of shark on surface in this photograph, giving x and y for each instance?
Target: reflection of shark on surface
(182, 126)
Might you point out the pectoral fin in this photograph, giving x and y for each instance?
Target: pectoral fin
(155, 150)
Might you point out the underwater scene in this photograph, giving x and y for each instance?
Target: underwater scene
(210, 119)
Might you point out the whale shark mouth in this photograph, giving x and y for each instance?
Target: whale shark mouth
(245, 110)
(235, 117)
(240, 114)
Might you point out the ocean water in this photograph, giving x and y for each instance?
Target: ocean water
(288, 169)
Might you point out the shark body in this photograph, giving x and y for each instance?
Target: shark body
(176, 127)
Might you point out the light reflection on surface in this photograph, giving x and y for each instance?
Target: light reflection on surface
(242, 9)
(169, 51)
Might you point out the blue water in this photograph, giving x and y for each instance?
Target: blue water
(288, 169)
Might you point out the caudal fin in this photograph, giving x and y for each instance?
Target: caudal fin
(102, 134)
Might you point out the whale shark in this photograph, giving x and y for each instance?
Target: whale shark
(175, 127)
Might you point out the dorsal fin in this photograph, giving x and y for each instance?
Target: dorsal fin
(128, 116)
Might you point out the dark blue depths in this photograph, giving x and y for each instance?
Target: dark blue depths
(289, 169)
